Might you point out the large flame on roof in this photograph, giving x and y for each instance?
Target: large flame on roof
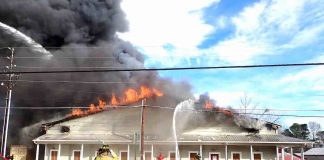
(130, 96)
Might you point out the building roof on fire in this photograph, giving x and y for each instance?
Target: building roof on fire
(118, 125)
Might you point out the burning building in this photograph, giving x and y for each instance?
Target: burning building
(81, 34)
(212, 132)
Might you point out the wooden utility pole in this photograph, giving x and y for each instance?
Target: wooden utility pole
(142, 130)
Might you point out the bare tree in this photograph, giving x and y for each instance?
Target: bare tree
(246, 102)
(252, 108)
(314, 128)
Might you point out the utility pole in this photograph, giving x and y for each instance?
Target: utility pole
(9, 85)
(142, 130)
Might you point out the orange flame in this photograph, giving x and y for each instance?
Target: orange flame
(130, 96)
(113, 100)
(77, 112)
(209, 105)
(226, 112)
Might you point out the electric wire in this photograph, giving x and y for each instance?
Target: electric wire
(166, 69)
(53, 57)
(192, 110)
(33, 67)
(85, 82)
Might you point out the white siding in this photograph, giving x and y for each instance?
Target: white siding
(268, 153)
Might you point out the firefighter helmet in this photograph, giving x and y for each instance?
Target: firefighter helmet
(104, 148)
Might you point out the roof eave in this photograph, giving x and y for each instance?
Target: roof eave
(37, 141)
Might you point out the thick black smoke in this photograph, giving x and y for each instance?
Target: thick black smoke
(59, 22)
(76, 32)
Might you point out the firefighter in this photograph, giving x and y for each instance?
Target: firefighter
(197, 157)
(105, 153)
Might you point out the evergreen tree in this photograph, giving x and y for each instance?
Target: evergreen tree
(297, 130)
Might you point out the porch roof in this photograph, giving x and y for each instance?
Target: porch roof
(273, 139)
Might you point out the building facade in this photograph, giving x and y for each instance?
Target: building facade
(212, 135)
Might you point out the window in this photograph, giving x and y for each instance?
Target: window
(76, 155)
(236, 156)
(147, 156)
(213, 156)
(172, 156)
(123, 155)
(193, 155)
(53, 155)
(257, 156)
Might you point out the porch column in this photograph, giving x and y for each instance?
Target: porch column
(37, 151)
(302, 153)
(291, 154)
(226, 158)
(81, 152)
(277, 153)
(59, 152)
(282, 153)
(152, 151)
(201, 152)
(251, 152)
(128, 150)
(45, 152)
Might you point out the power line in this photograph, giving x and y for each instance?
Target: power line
(44, 57)
(103, 47)
(235, 109)
(265, 114)
(33, 67)
(86, 82)
(168, 69)
(79, 82)
(115, 57)
(172, 108)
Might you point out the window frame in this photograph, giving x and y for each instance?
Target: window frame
(210, 153)
(189, 152)
(261, 153)
(234, 152)
(169, 155)
(76, 150)
(50, 153)
(120, 155)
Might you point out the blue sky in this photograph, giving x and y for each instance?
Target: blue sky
(191, 33)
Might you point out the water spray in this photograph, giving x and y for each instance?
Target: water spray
(189, 104)
(29, 42)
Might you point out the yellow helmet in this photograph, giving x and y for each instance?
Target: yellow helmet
(105, 147)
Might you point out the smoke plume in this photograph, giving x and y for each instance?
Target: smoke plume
(79, 34)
